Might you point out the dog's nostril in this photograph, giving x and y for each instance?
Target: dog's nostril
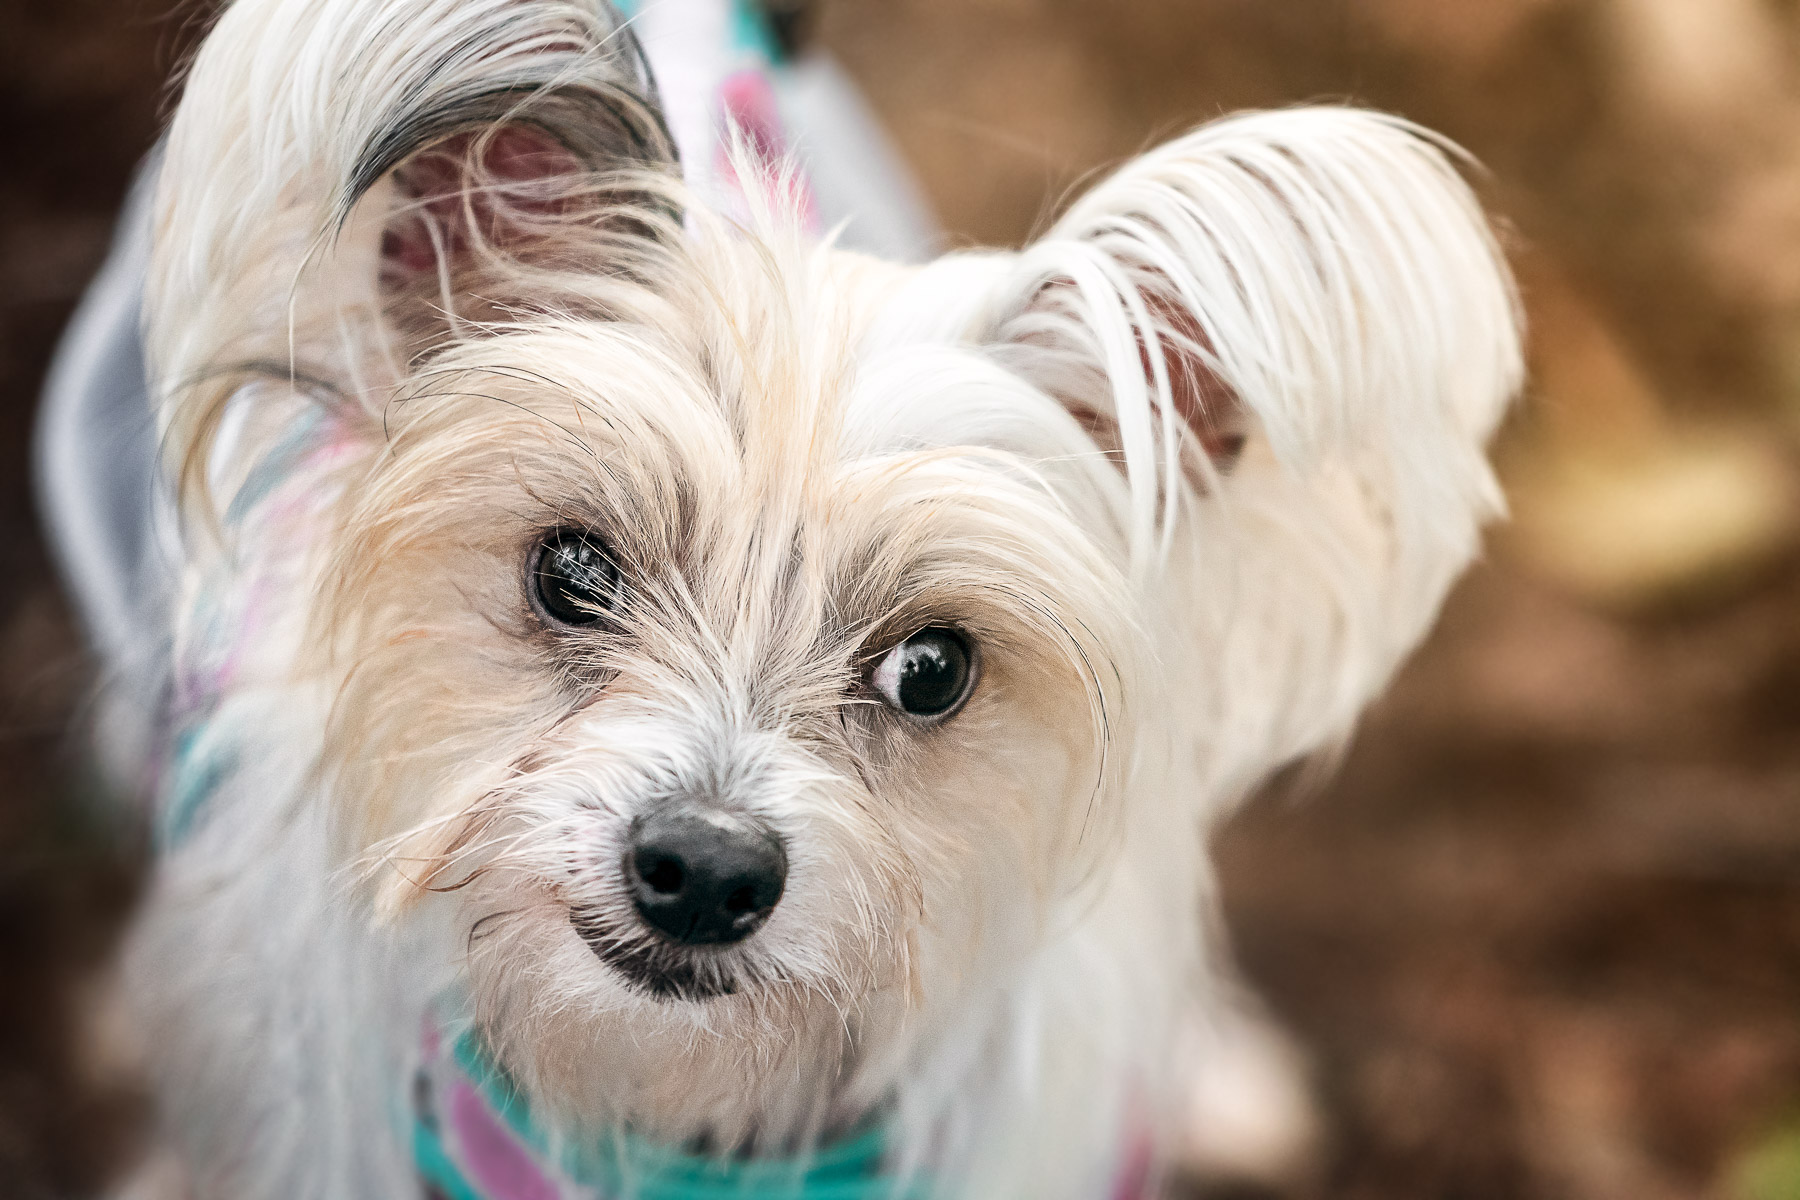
(700, 876)
(664, 875)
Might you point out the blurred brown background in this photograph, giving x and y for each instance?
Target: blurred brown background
(1540, 936)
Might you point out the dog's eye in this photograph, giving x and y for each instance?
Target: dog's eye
(573, 578)
(927, 675)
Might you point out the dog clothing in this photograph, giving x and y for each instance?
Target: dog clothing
(474, 1139)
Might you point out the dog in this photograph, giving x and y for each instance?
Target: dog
(654, 703)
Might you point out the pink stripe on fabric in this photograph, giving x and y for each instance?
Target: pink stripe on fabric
(490, 1155)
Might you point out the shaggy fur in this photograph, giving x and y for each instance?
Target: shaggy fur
(1192, 471)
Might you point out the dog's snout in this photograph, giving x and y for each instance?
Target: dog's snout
(705, 877)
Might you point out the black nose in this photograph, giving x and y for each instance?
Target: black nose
(705, 877)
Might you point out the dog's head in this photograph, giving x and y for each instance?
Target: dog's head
(765, 652)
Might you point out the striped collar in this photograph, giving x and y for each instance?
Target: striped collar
(473, 1138)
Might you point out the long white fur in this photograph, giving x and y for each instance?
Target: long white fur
(991, 933)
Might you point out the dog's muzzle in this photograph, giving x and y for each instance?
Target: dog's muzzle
(701, 880)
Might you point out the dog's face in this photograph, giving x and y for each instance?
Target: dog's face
(760, 659)
(729, 686)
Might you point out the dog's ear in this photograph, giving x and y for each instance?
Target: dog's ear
(1294, 331)
(535, 151)
(344, 183)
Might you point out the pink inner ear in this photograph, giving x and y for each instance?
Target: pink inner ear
(479, 181)
(1204, 402)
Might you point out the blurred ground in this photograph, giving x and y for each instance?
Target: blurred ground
(80, 84)
(1541, 933)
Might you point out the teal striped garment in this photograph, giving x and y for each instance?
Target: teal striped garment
(474, 1138)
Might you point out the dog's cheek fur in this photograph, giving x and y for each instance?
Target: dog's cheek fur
(445, 676)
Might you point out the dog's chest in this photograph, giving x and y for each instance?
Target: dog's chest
(474, 1138)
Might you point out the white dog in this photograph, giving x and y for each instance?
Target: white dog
(660, 706)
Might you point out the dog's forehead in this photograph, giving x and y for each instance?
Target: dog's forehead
(766, 430)
(774, 392)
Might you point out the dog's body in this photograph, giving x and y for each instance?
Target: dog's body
(530, 512)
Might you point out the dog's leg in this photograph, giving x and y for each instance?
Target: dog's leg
(1248, 1115)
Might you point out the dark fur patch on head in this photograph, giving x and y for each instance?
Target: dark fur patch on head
(602, 130)
(600, 103)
